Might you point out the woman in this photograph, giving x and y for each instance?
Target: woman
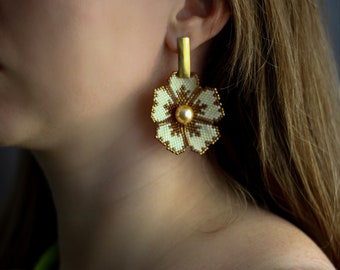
(77, 81)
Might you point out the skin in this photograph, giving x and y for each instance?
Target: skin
(76, 86)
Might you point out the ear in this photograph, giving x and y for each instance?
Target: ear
(200, 20)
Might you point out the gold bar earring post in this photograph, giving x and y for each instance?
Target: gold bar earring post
(183, 45)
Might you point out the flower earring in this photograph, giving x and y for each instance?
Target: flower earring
(183, 111)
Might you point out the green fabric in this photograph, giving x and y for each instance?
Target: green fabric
(49, 259)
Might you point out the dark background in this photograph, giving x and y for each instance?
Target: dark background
(8, 156)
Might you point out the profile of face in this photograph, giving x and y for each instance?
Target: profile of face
(67, 63)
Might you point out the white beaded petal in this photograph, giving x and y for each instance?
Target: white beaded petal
(208, 135)
(159, 111)
(188, 85)
(208, 98)
(174, 141)
(172, 129)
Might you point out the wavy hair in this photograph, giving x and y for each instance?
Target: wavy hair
(280, 138)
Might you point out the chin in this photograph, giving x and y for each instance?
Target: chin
(11, 138)
(15, 130)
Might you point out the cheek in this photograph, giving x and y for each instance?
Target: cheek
(73, 63)
(85, 47)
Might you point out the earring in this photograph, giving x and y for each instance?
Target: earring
(183, 111)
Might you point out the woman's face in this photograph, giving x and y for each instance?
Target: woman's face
(67, 62)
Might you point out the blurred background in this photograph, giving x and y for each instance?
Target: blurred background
(9, 156)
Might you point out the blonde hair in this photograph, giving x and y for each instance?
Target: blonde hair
(280, 138)
(284, 138)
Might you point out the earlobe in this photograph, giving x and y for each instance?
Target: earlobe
(200, 20)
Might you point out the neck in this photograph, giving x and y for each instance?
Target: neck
(129, 197)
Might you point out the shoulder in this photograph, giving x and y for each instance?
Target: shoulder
(270, 242)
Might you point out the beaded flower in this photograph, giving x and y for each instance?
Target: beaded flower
(185, 113)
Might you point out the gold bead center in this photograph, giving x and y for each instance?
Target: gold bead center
(184, 114)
